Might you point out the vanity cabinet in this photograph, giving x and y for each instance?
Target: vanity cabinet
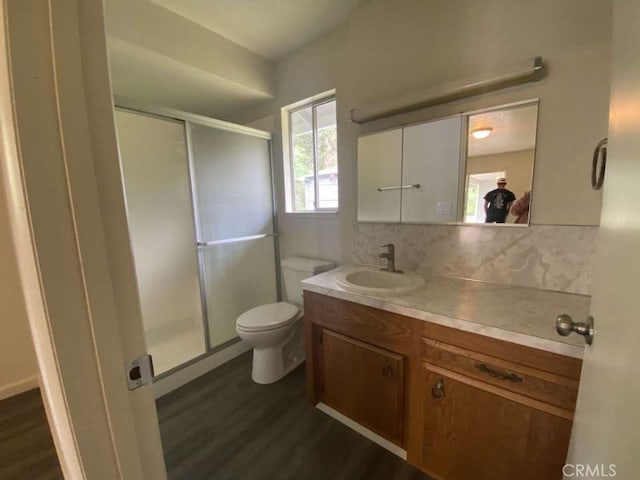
(363, 382)
(494, 410)
(462, 405)
(359, 362)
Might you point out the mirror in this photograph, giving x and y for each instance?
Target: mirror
(499, 165)
(413, 174)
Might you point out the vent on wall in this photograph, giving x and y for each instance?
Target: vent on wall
(449, 93)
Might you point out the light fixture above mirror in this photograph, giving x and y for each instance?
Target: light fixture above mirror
(480, 133)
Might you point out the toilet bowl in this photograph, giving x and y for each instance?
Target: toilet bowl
(275, 330)
(269, 329)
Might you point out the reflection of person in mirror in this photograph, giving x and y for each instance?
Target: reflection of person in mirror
(520, 208)
(497, 203)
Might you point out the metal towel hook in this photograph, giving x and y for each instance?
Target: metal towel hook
(597, 176)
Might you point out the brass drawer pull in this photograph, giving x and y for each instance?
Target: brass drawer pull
(511, 377)
(437, 391)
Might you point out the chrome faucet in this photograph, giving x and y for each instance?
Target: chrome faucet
(390, 255)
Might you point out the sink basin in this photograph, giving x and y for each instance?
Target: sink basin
(378, 282)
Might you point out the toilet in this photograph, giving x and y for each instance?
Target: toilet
(275, 330)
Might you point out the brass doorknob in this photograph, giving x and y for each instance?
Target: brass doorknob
(565, 326)
(437, 391)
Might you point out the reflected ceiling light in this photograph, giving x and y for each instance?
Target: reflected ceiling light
(480, 133)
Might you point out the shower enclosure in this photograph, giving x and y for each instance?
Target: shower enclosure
(200, 208)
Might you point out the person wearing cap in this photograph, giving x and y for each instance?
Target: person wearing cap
(497, 202)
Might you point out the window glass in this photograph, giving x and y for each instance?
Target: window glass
(313, 153)
(327, 155)
(302, 159)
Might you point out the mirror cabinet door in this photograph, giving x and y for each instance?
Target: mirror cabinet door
(431, 159)
(499, 168)
(379, 176)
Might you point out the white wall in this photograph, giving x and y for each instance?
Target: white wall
(395, 46)
(18, 367)
(391, 47)
(314, 69)
(161, 58)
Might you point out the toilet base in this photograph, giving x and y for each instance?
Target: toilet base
(269, 368)
(271, 364)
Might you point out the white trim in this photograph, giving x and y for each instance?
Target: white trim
(309, 100)
(55, 403)
(312, 214)
(68, 223)
(123, 103)
(195, 370)
(364, 431)
(18, 387)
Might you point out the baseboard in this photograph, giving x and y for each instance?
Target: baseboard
(364, 431)
(191, 372)
(18, 387)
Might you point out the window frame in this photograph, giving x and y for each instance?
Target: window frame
(290, 199)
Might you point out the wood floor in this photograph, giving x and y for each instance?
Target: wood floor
(26, 447)
(222, 426)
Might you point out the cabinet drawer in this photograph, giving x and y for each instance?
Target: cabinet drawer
(537, 384)
(376, 327)
(531, 357)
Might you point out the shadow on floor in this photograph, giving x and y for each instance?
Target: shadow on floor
(223, 426)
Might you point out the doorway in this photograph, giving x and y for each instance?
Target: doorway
(478, 185)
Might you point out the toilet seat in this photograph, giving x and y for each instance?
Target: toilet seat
(267, 317)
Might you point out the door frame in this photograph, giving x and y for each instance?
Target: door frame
(59, 164)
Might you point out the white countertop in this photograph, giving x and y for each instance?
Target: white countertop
(521, 315)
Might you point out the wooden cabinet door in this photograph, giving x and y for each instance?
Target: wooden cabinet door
(365, 383)
(475, 433)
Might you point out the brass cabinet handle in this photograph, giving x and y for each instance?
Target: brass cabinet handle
(437, 391)
(387, 370)
(511, 377)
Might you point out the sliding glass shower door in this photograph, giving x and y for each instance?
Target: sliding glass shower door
(200, 211)
(233, 192)
(153, 156)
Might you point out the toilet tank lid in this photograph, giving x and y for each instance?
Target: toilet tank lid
(304, 264)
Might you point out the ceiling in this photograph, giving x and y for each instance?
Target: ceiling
(513, 130)
(269, 28)
(145, 76)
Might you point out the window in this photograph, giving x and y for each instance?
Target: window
(311, 166)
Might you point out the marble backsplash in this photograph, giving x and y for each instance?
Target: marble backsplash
(549, 257)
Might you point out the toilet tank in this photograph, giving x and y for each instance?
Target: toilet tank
(296, 269)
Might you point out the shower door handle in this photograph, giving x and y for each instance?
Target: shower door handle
(236, 240)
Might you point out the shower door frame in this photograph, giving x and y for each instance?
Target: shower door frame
(186, 118)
